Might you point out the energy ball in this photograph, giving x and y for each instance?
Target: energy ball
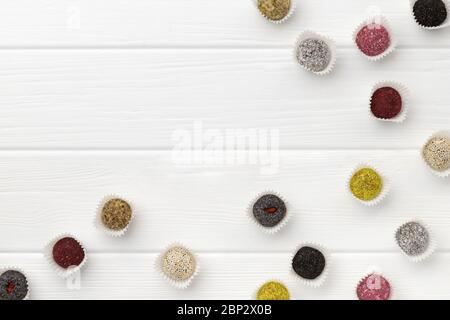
(366, 184)
(272, 290)
(178, 263)
(269, 210)
(412, 238)
(373, 287)
(313, 54)
(386, 103)
(68, 252)
(436, 153)
(274, 9)
(308, 263)
(430, 13)
(116, 214)
(373, 39)
(13, 285)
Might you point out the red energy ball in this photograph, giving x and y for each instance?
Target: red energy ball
(386, 103)
(373, 39)
(373, 287)
(68, 252)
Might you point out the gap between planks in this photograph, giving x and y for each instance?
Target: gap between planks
(191, 47)
(224, 252)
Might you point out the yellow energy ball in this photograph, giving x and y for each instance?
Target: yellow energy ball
(273, 290)
(366, 184)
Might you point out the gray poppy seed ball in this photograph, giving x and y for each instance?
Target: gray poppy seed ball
(412, 238)
(13, 285)
(314, 54)
(269, 210)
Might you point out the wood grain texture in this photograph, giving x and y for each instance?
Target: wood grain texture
(233, 276)
(130, 99)
(205, 205)
(200, 23)
(95, 95)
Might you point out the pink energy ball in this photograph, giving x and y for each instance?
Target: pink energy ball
(373, 39)
(373, 287)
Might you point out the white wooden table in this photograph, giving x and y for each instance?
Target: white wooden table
(92, 93)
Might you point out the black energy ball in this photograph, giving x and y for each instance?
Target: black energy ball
(308, 263)
(430, 13)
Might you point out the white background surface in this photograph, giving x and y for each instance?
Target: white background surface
(92, 91)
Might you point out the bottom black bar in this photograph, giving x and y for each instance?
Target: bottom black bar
(215, 309)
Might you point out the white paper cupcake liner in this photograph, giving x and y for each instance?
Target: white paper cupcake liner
(307, 34)
(431, 244)
(382, 20)
(286, 18)
(281, 224)
(441, 174)
(177, 284)
(404, 93)
(319, 281)
(14, 268)
(60, 271)
(445, 24)
(374, 271)
(255, 293)
(98, 217)
(384, 191)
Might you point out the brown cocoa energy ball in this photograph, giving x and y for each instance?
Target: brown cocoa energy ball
(274, 9)
(116, 214)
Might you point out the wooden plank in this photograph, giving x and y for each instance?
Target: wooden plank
(201, 23)
(143, 99)
(46, 193)
(232, 276)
